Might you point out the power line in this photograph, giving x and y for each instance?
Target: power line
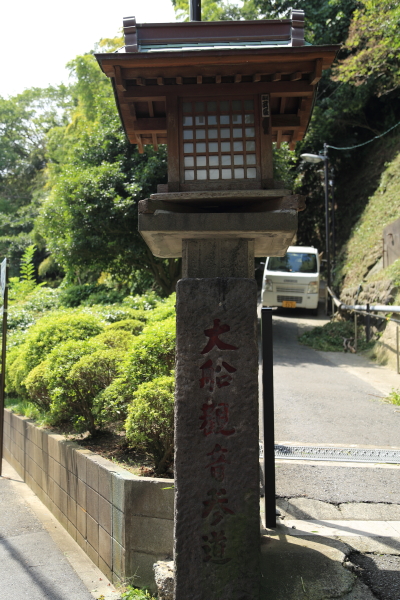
(364, 143)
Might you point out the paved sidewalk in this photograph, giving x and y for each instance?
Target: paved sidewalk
(339, 531)
(39, 559)
(321, 551)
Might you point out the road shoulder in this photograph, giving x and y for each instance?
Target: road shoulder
(42, 522)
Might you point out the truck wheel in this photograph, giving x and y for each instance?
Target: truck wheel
(314, 311)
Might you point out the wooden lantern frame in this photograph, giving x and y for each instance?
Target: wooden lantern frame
(166, 63)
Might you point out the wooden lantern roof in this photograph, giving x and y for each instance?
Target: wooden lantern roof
(210, 59)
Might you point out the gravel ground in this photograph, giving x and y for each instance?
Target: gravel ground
(380, 573)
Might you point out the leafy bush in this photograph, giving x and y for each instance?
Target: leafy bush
(82, 366)
(115, 312)
(37, 386)
(43, 299)
(114, 338)
(145, 302)
(21, 287)
(150, 422)
(132, 325)
(56, 328)
(132, 593)
(163, 310)
(151, 355)
(68, 382)
(42, 337)
(26, 312)
(394, 397)
(91, 375)
(330, 336)
(89, 294)
(19, 317)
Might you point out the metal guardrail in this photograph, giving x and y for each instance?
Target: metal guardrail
(366, 310)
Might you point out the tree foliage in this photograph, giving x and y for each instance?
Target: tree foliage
(373, 45)
(25, 120)
(96, 178)
(327, 21)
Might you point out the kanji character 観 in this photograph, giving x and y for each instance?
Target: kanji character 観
(215, 419)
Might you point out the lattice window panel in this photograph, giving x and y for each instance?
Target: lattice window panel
(218, 140)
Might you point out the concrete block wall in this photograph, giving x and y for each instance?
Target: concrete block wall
(123, 522)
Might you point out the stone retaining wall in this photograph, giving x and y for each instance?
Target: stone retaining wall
(123, 522)
(377, 292)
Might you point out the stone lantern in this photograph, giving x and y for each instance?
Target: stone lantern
(219, 94)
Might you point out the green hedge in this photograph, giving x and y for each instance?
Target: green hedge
(93, 366)
(40, 340)
(150, 422)
(151, 355)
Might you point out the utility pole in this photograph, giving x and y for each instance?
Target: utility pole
(195, 10)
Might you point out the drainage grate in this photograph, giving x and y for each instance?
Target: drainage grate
(368, 455)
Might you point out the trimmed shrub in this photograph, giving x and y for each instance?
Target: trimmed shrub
(150, 422)
(42, 337)
(56, 328)
(151, 355)
(114, 338)
(67, 383)
(37, 386)
(90, 376)
(115, 312)
(132, 325)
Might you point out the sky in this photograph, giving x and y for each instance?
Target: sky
(38, 37)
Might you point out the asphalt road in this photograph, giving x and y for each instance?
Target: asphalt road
(319, 402)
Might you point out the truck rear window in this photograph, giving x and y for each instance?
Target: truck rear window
(293, 262)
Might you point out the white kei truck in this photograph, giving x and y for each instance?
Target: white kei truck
(292, 281)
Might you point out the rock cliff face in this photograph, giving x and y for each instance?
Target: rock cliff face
(377, 292)
(385, 349)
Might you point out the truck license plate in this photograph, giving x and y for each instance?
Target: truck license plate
(289, 304)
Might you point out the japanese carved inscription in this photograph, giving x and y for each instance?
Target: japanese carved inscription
(217, 510)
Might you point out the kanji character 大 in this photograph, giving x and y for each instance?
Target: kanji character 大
(214, 340)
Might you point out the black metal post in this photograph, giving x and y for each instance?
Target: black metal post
(4, 285)
(333, 216)
(327, 245)
(195, 10)
(368, 325)
(268, 417)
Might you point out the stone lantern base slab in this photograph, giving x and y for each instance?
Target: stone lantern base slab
(272, 232)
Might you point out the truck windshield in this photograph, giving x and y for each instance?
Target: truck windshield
(293, 262)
